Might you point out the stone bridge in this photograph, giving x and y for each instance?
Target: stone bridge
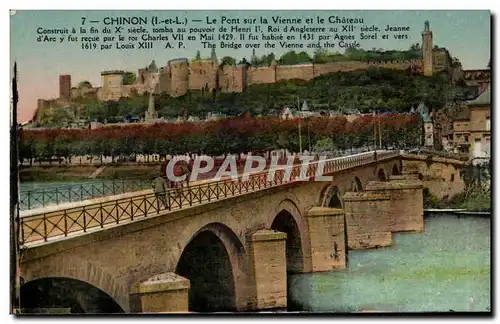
(226, 245)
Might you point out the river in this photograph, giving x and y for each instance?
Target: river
(445, 268)
(44, 193)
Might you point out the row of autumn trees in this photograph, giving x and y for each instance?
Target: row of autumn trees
(232, 135)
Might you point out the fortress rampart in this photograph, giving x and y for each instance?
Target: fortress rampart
(180, 75)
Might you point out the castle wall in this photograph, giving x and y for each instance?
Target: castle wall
(348, 66)
(140, 75)
(258, 75)
(81, 92)
(289, 72)
(179, 77)
(130, 89)
(111, 87)
(202, 74)
(165, 82)
(320, 69)
(440, 60)
(232, 78)
(146, 76)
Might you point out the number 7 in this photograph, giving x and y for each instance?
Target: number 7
(83, 20)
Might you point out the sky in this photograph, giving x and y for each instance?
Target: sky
(466, 34)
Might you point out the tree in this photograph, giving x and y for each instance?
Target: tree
(320, 55)
(456, 62)
(198, 55)
(244, 61)
(84, 84)
(129, 78)
(228, 60)
(254, 59)
(213, 56)
(415, 47)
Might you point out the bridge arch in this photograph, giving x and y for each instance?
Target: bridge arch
(357, 185)
(331, 197)
(60, 292)
(287, 218)
(211, 261)
(70, 269)
(381, 175)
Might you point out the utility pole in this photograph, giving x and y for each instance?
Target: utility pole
(14, 200)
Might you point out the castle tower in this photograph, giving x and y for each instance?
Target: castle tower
(65, 87)
(427, 56)
(111, 85)
(153, 79)
(179, 77)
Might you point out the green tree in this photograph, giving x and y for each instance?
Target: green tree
(228, 60)
(84, 84)
(129, 78)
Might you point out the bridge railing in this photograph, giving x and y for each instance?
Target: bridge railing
(87, 218)
(29, 199)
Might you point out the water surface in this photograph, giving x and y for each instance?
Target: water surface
(445, 268)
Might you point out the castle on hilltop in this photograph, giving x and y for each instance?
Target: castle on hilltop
(179, 76)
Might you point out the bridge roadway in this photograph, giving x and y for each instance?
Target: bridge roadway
(54, 223)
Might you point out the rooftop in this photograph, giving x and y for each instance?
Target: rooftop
(112, 72)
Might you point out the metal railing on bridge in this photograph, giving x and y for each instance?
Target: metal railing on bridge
(61, 223)
(29, 199)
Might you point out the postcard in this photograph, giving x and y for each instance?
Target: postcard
(324, 161)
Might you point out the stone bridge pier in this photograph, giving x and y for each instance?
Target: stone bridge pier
(383, 208)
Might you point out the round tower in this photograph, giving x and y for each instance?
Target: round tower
(179, 76)
(427, 56)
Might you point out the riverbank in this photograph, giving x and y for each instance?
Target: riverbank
(476, 201)
(64, 173)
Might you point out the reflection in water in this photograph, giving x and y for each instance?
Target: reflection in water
(447, 267)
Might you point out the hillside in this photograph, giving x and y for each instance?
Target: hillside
(374, 89)
(380, 89)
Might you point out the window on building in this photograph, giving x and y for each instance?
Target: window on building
(466, 138)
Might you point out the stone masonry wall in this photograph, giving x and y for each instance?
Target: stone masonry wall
(179, 75)
(232, 78)
(289, 72)
(442, 179)
(259, 75)
(201, 74)
(367, 219)
(406, 212)
(268, 255)
(326, 231)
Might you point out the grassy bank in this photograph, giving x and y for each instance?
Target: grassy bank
(478, 201)
(72, 173)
